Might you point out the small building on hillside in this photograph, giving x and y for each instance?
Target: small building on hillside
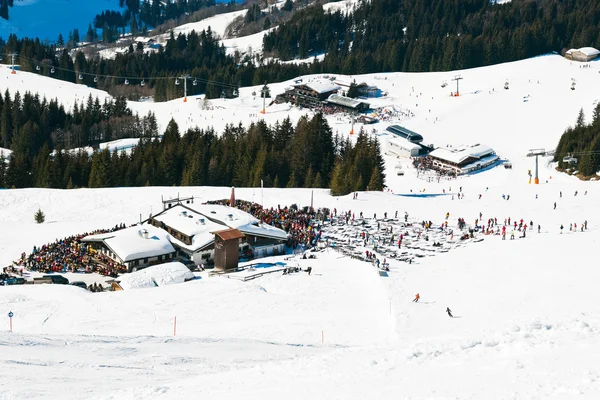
(348, 104)
(135, 247)
(310, 94)
(463, 159)
(583, 54)
(404, 133)
(227, 243)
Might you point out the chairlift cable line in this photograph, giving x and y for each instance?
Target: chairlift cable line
(121, 77)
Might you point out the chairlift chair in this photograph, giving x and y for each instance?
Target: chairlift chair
(37, 68)
(95, 79)
(80, 77)
(127, 81)
(195, 82)
(235, 93)
(52, 70)
(177, 81)
(143, 83)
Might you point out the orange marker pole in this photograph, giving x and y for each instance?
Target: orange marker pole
(10, 324)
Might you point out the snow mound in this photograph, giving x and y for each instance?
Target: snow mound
(157, 275)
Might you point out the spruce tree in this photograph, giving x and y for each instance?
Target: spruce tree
(39, 216)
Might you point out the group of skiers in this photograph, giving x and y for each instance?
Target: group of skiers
(448, 311)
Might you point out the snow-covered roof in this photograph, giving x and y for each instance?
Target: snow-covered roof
(588, 51)
(133, 243)
(321, 86)
(238, 219)
(157, 275)
(204, 220)
(404, 144)
(459, 154)
(191, 223)
(343, 101)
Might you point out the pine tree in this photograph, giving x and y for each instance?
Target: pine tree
(39, 216)
(376, 181)
(580, 119)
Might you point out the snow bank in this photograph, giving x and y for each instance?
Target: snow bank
(157, 275)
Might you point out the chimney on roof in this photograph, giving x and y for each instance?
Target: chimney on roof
(145, 233)
(230, 216)
(201, 221)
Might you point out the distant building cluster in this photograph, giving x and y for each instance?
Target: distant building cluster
(325, 95)
(446, 160)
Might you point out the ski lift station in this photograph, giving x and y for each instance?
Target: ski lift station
(406, 143)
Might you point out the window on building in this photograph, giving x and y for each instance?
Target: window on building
(206, 256)
(145, 261)
(160, 258)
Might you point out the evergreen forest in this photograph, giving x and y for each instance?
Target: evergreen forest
(582, 142)
(305, 155)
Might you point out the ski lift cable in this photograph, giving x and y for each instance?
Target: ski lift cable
(147, 78)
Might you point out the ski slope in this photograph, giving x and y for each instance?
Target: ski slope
(526, 318)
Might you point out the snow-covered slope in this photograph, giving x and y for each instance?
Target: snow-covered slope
(45, 19)
(524, 309)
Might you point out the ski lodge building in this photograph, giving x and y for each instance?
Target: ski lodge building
(463, 159)
(583, 54)
(192, 231)
(135, 247)
(180, 231)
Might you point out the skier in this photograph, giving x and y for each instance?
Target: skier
(555, 205)
(539, 228)
(449, 312)
(561, 228)
(417, 297)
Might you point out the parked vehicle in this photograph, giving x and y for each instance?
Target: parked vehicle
(79, 284)
(57, 279)
(15, 281)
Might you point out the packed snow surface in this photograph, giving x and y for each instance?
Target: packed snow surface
(156, 275)
(526, 322)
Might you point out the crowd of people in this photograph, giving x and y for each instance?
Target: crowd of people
(301, 224)
(69, 255)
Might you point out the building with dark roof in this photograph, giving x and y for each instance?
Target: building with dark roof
(407, 134)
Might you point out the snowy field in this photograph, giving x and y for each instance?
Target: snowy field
(526, 320)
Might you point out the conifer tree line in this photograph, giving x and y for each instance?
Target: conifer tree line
(439, 35)
(305, 155)
(582, 141)
(37, 130)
